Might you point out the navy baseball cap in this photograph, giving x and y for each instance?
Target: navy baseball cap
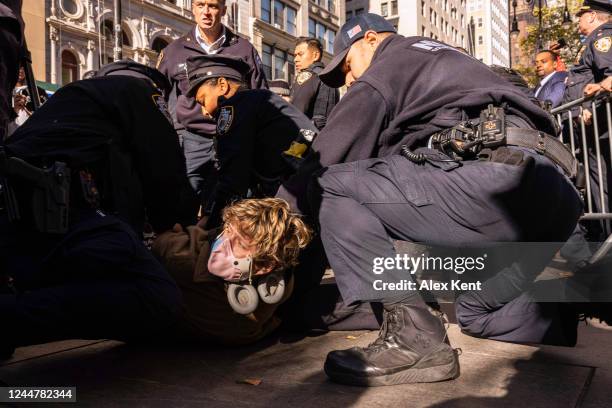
(595, 5)
(203, 67)
(128, 67)
(352, 31)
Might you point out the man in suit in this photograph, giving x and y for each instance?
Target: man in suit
(552, 82)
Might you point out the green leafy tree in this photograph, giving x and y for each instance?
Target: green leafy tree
(552, 31)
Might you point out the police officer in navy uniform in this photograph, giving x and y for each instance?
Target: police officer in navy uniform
(308, 93)
(208, 36)
(595, 66)
(11, 52)
(261, 139)
(76, 261)
(428, 194)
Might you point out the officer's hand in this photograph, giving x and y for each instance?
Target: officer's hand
(606, 84)
(587, 116)
(19, 102)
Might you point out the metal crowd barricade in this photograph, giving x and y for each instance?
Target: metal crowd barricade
(586, 147)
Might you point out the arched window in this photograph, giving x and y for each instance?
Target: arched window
(69, 67)
(108, 32)
(159, 44)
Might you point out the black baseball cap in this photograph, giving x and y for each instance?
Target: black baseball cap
(595, 5)
(203, 67)
(128, 67)
(352, 31)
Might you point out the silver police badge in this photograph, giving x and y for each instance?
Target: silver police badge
(307, 134)
(225, 119)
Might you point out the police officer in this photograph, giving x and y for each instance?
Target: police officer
(209, 36)
(260, 138)
(428, 194)
(11, 52)
(594, 67)
(308, 93)
(105, 156)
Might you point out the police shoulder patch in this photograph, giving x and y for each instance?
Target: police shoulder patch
(303, 77)
(225, 119)
(160, 102)
(603, 44)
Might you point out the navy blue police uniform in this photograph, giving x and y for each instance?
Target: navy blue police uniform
(260, 141)
(429, 198)
(312, 96)
(196, 130)
(11, 52)
(95, 278)
(595, 65)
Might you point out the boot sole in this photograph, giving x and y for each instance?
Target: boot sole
(416, 374)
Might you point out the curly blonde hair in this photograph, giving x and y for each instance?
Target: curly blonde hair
(277, 234)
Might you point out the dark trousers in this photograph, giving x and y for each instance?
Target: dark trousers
(367, 204)
(199, 157)
(98, 281)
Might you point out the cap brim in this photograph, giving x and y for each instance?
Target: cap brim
(193, 88)
(332, 74)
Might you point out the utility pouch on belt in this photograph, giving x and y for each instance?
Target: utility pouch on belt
(50, 187)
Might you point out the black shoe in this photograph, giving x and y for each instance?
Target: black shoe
(410, 348)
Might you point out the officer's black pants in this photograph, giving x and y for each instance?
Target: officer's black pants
(99, 281)
(367, 204)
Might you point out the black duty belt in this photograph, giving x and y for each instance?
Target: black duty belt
(546, 145)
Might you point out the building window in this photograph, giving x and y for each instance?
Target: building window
(394, 7)
(330, 40)
(423, 31)
(331, 6)
(349, 15)
(479, 22)
(69, 67)
(279, 14)
(278, 64)
(358, 11)
(312, 28)
(384, 9)
(159, 44)
(266, 59)
(480, 42)
(233, 16)
(266, 11)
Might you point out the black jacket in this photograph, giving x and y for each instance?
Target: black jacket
(118, 127)
(595, 63)
(254, 130)
(413, 88)
(312, 96)
(171, 63)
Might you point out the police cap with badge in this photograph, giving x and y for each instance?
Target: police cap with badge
(201, 68)
(352, 31)
(595, 5)
(128, 67)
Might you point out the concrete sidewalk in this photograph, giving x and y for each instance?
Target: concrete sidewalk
(112, 374)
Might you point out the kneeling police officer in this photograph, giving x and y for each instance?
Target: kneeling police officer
(261, 139)
(472, 169)
(80, 178)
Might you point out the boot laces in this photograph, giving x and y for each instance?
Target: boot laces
(386, 331)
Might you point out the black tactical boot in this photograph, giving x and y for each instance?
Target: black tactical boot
(410, 348)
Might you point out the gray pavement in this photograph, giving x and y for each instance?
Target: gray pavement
(112, 374)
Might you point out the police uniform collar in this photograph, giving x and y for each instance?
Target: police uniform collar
(314, 65)
(384, 45)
